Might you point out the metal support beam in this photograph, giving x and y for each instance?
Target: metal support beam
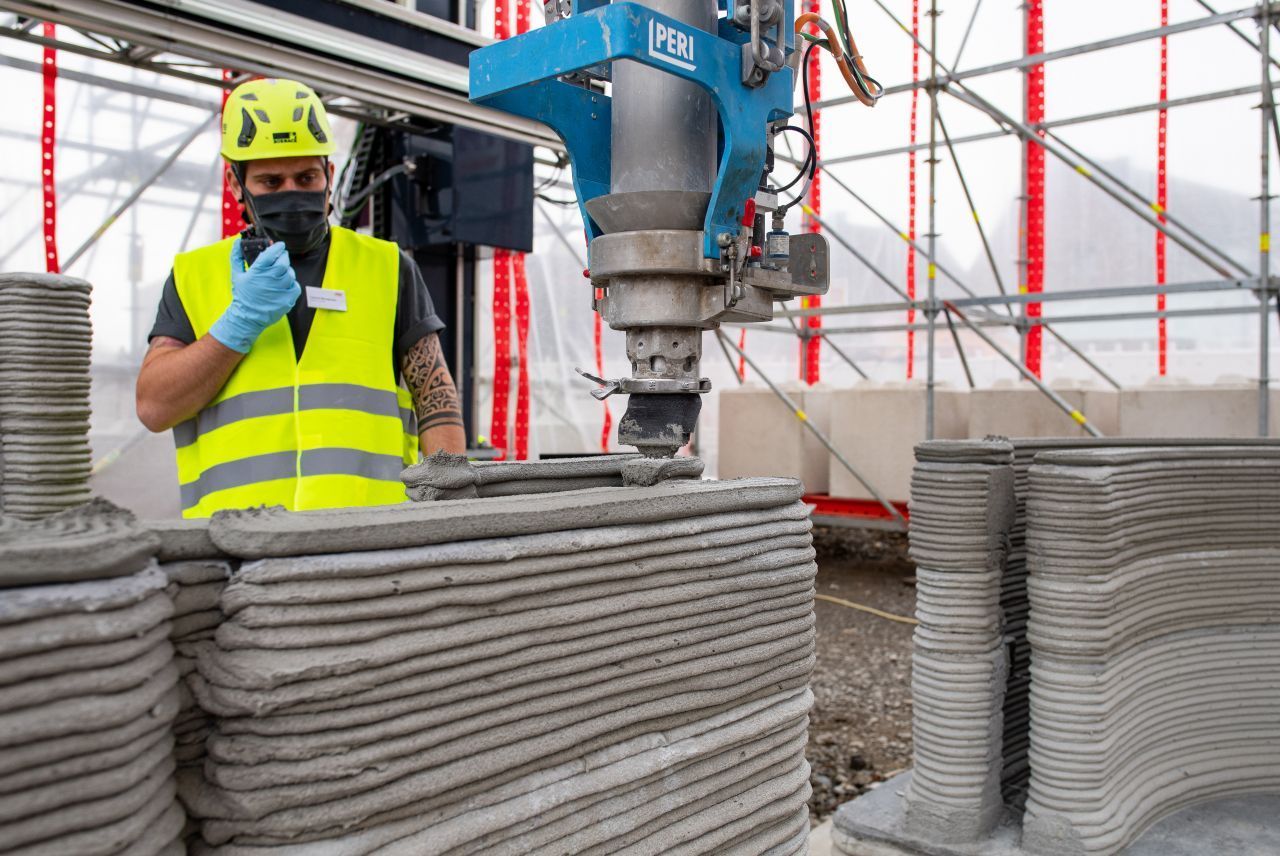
(1264, 229)
(950, 76)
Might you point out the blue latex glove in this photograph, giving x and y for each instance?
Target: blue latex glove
(260, 296)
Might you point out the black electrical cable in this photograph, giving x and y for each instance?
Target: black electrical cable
(359, 199)
(806, 165)
(811, 161)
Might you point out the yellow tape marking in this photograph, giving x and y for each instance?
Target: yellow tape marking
(1022, 289)
(933, 271)
(1264, 242)
(802, 416)
(1083, 170)
(806, 209)
(904, 236)
(1157, 207)
(1078, 416)
(975, 217)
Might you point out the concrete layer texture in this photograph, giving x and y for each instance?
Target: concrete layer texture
(88, 689)
(760, 436)
(962, 508)
(877, 425)
(615, 670)
(1141, 583)
(1155, 634)
(45, 340)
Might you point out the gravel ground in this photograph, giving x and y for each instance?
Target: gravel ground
(860, 728)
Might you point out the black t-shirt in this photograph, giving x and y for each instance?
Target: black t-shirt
(415, 314)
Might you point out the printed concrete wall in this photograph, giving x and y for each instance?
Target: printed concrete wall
(1171, 409)
(1137, 619)
(88, 688)
(44, 394)
(595, 671)
(598, 671)
(1155, 633)
(760, 436)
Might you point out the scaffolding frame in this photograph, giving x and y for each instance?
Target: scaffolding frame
(943, 80)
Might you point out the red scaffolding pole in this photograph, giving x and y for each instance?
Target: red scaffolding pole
(1162, 193)
(1033, 160)
(500, 424)
(911, 187)
(231, 218)
(811, 348)
(48, 129)
(521, 283)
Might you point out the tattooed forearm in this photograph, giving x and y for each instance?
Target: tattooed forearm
(435, 398)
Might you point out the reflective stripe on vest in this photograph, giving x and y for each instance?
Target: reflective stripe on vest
(331, 429)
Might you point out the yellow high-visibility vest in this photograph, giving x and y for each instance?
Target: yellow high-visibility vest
(332, 429)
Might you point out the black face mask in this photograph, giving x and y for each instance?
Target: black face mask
(296, 217)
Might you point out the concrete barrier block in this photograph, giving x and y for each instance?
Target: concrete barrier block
(760, 436)
(1019, 409)
(877, 426)
(1175, 408)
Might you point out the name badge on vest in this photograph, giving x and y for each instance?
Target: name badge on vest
(327, 298)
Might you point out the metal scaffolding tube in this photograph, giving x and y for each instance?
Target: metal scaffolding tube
(931, 280)
(955, 337)
(140, 189)
(1118, 182)
(799, 413)
(968, 31)
(1029, 375)
(1238, 92)
(1091, 318)
(973, 208)
(949, 76)
(1264, 229)
(1233, 28)
(1208, 287)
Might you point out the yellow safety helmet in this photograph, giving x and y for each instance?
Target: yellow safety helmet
(272, 118)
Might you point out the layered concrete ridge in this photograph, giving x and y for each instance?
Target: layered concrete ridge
(446, 476)
(614, 670)
(1155, 634)
(962, 508)
(88, 694)
(45, 344)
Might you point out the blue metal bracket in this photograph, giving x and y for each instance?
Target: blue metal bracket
(519, 75)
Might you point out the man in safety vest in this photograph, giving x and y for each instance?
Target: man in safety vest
(281, 378)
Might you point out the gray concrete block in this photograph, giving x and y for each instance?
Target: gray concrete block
(760, 436)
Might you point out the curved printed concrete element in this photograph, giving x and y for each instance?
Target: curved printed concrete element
(183, 540)
(93, 541)
(1155, 627)
(259, 533)
(85, 597)
(443, 476)
(962, 509)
